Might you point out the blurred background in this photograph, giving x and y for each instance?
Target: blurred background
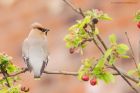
(16, 17)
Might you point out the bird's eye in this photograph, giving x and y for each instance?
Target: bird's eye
(41, 29)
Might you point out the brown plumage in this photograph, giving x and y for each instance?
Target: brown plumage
(35, 51)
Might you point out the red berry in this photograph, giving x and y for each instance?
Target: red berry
(25, 89)
(72, 50)
(93, 82)
(138, 25)
(85, 78)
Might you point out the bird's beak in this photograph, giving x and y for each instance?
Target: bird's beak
(46, 31)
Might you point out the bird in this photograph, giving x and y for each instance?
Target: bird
(35, 50)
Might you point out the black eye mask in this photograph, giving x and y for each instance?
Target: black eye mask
(43, 29)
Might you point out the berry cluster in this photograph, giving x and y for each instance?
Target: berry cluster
(93, 81)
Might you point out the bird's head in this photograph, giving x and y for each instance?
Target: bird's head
(40, 27)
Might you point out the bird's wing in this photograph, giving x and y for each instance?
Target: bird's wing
(25, 48)
(25, 53)
(46, 54)
(45, 48)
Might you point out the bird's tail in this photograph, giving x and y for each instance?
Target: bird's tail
(36, 77)
(38, 72)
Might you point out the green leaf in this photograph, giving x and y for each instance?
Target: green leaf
(137, 16)
(88, 62)
(4, 90)
(112, 39)
(86, 20)
(124, 56)
(108, 77)
(138, 84)
(107, 53)
(105, 17)
(97, 14)
(80, 74)
(105, 76)
(92, 13)
(14, 89)
(80, 24)
(11, 68)
(139, 67)
(122, 49)
(97, 71)
(74, 27)
(96, 32)
(112, 60)
(131, 72)
(85, 68)
(102, 60)
(4, 59)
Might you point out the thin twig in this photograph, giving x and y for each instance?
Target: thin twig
(5, 76)
(76, 73)
(132, 51)
(102, 42)
(125, 79)
(61, 73)
(79, 10)
(115, 68)
(84, 41)
(130, 77)
(94, 41)
(72, 6)
(73, 73)
(125, 74)
(139, 52)
(22, 71)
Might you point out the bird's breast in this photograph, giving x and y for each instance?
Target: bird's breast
(36, 48)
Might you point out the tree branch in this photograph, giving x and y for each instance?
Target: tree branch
(120, 73)
(5, 76)
(73, 74)
(61, 73)
(94, 41)
(103, 44)
(22, 71)
(84, 41)
(132, 52)
(72, 6)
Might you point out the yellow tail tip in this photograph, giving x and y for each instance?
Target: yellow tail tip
(37, 79)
